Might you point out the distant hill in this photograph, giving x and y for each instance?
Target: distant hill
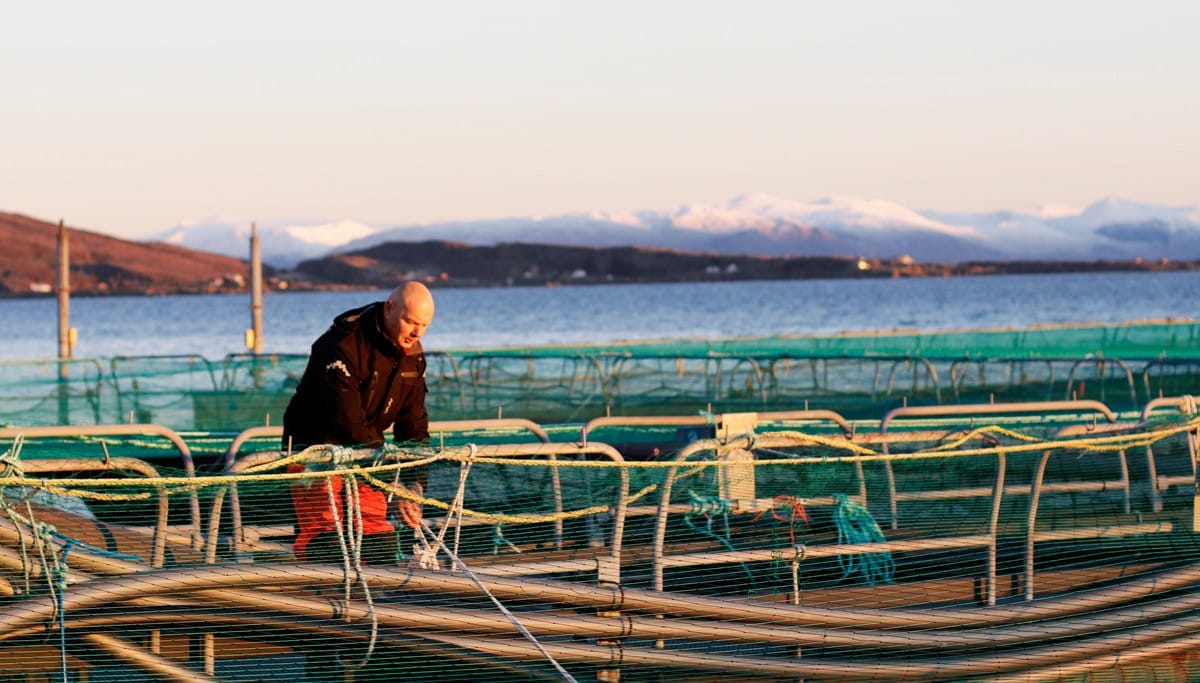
(458, 264)
(101, 264)
(514, 264)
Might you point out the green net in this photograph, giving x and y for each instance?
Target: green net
(1033, 541)
(992, 505)
(862, 375)
(1134, 340)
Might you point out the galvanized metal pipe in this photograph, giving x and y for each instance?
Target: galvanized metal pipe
(599, 597)
(421, 618)
(1095, 654)
(155, 665)
(182, 615)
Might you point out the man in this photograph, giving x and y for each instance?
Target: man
(365, 373)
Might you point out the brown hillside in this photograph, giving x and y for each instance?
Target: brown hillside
(107, 265)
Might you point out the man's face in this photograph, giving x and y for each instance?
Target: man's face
(408, 324)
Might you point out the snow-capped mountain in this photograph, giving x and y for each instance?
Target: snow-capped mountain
(748, 224)
(283, 243)
(760, 224)
(1111, 228)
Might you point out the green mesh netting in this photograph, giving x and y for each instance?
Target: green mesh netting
(1133, 340)
(1039, 541)
(863, 375)
(1009, 505)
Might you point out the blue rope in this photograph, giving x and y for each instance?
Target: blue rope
(709, 506)
(856, 525)
(498, 538)
(68, 541)
(60, 582)
(401, 556)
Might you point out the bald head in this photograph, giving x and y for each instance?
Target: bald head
(407, 313)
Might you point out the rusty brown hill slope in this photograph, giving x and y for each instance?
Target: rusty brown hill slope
(107, 265)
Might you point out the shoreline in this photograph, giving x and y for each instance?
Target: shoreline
(296, 281)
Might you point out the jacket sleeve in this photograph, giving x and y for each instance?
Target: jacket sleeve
(339, 379)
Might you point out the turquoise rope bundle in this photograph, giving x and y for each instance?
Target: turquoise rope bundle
(710, 506)
(856, 525)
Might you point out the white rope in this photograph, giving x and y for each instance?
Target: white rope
(11, 460)
(350, 540)
(42, 534)
(454, 515)
(42, 538)
(504, 610)
(10, 466)
(460, 497)
(341, 536)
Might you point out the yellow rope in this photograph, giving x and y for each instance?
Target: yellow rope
(96, 495)
(494, 517)
(980, 432)
(852, 452)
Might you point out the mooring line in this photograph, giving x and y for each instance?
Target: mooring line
(425, 530)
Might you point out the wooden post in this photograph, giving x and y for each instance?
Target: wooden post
(64, 293)
(64, 323)
(256, 305)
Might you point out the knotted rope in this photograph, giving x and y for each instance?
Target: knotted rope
(856, 525)
(710, 507)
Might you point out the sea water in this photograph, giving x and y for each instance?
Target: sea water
(472, 318)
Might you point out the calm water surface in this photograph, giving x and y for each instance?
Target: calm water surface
(213, 325)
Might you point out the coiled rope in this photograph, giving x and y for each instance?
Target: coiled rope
(350, 541)
(856, 525)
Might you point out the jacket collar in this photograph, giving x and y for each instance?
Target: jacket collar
(370, 317)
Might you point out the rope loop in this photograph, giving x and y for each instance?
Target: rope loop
(10, 461)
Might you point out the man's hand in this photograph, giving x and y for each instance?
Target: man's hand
(410, 510)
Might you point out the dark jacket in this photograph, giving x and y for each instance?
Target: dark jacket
(357, 384)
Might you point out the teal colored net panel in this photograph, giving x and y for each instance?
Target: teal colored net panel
(859, 375)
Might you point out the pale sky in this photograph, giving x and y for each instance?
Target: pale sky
(129, 117)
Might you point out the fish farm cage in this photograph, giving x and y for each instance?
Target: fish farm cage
(938, 517)
(857, 374)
